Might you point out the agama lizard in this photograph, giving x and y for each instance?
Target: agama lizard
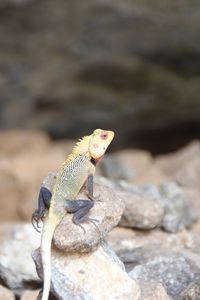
(75, 171)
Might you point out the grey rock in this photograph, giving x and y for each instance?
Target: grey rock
(17, 269)
(89, 276)
(192, 292)
(178, 203)
(179, 211)
(140, 212)
(136, 247)
(175, 272)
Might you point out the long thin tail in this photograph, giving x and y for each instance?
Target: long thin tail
(47, 235)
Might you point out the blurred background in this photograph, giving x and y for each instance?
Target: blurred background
(68, 67)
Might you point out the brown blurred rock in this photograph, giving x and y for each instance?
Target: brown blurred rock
(94, 275)
(26, 157)
(11, 195)
(183, 165)
(18, 140)
(6, 294)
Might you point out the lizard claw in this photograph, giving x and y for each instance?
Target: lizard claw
(94, 221)
(35, 220)
(94, 198)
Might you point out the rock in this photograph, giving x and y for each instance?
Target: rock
(113, 168)
(106, 212)
(136, 247)
(192, 292)
(182, 165)
(35, 295)
(152, 291)
(175, 272)
(17, 269)
(18, 140)
(30, 295)
(11, 194)
(142, 165)
(140, 212)
(179, 204)
(94, 275)
(6, 294)
(180, 212)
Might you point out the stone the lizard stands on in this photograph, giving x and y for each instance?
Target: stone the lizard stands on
(75, 171)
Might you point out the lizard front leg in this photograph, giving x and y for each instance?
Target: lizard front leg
(80, 209)
(44, 200)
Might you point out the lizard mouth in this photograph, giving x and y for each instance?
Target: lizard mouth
(97, 160)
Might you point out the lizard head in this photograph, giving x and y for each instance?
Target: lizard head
(99, 142)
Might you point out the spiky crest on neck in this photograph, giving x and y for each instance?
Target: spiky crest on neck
(82, 146)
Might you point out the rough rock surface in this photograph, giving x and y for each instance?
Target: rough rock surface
(140, 212)
(6, 294)
(95, 275)
(175, 272)
(17, 269)
(106, 212)
(178, 203)
(152, 291)
(135, 247)
(192, 292)
(179, 208)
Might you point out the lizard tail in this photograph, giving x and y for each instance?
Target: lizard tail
(47, 235)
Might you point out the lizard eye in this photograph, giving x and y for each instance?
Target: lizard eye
(104, 135)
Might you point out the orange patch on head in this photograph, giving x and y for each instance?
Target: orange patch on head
(95, 146)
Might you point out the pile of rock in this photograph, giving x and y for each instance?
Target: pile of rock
(152, 255)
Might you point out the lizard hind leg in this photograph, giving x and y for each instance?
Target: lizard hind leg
(44, 200)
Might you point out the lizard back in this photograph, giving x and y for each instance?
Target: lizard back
(70, 179)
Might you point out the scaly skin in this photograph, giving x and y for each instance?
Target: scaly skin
(70, 179)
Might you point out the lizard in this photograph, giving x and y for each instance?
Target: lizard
(78, 168)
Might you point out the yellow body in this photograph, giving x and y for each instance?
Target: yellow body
(70, 179)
